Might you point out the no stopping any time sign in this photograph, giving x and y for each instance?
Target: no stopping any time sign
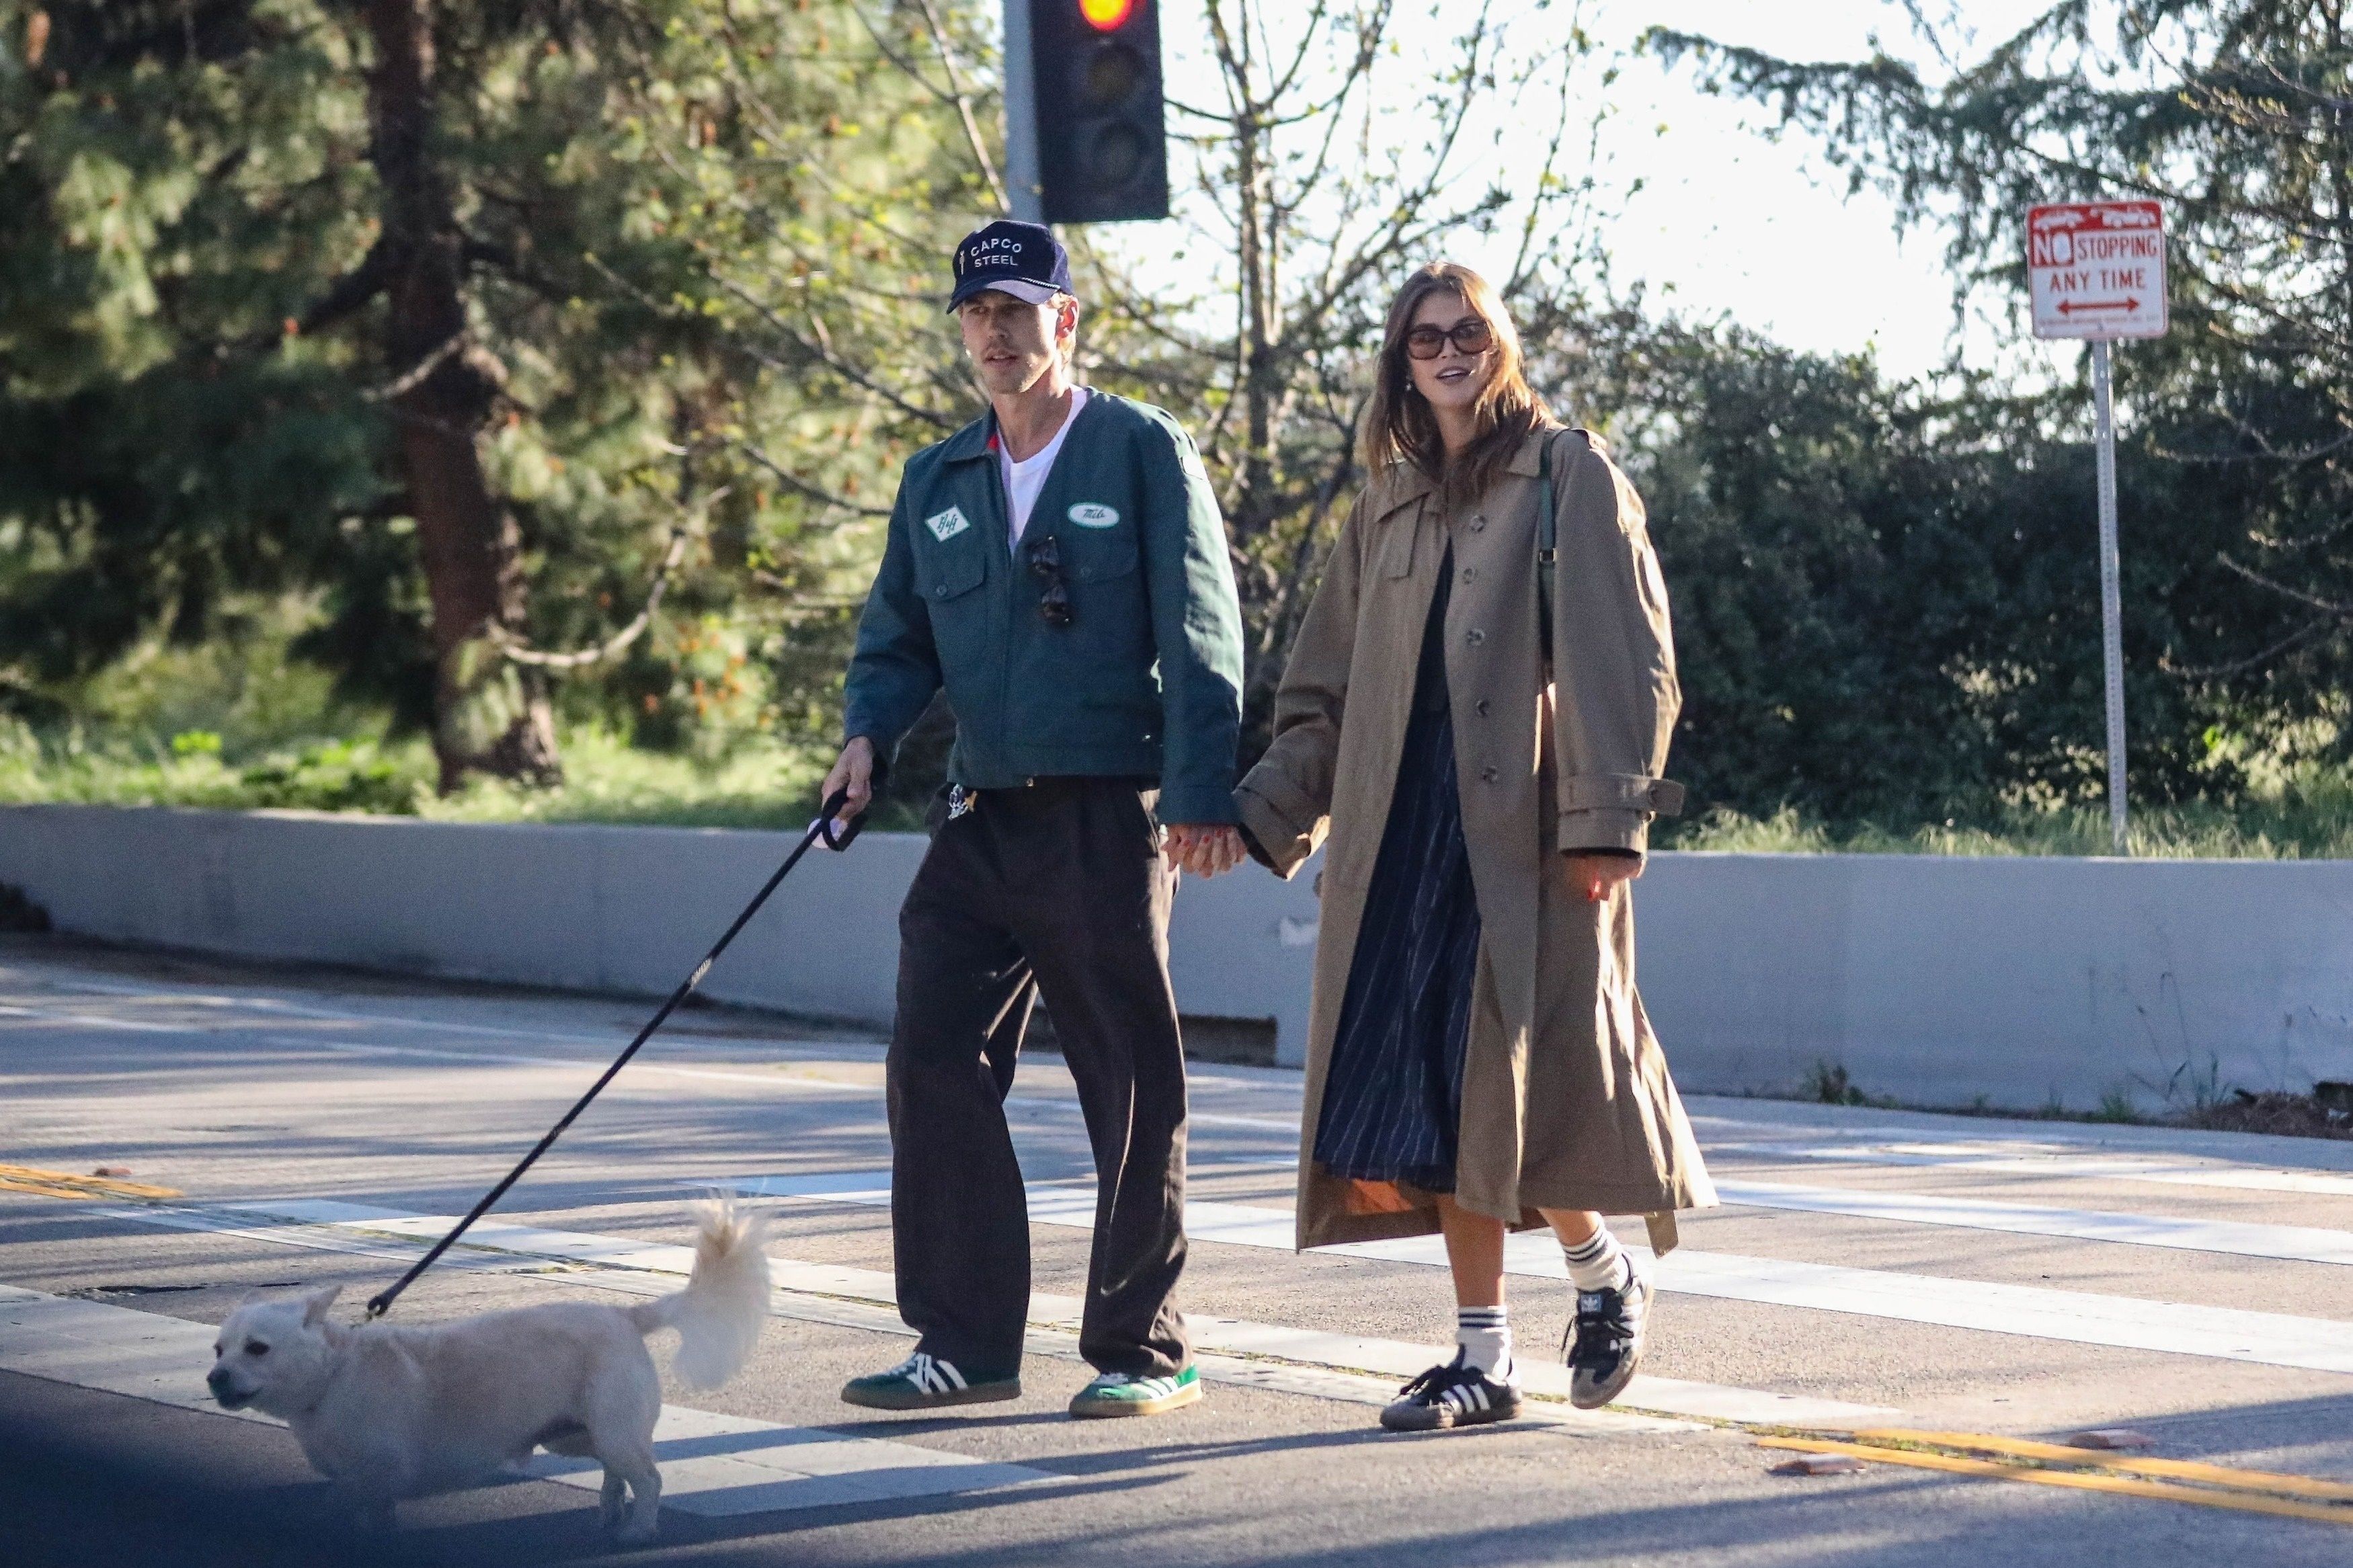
(2097, 269)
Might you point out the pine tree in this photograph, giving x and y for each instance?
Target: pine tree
(496, 322)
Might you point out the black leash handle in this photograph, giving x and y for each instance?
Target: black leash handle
(823, 829)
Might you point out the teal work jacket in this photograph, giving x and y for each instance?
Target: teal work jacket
(1145, 682)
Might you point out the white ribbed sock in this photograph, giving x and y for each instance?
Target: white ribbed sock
(1599, 1264)
(1486, 1335)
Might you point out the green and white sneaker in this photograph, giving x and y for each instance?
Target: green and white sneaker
(923, 1383)
(1124, 1393)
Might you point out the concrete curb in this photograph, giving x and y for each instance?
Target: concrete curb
(2023, 981)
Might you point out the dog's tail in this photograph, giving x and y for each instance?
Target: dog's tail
(718, 1315)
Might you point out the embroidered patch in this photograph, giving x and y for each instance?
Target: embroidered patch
(1087, 514)
(946, 525)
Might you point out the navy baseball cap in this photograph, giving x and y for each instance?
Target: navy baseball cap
(1023, 260)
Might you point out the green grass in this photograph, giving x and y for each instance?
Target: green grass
(2307, 817)
(757, 784)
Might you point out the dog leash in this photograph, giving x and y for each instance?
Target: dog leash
(822, 829)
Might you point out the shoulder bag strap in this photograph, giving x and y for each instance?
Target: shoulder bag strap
(1547, 546)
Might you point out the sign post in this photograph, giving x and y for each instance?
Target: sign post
(2096, 270)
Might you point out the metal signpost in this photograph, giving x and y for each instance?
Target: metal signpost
(2096, 270)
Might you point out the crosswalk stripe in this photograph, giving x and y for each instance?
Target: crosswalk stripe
(2273, 1338)
(714, 1464)
(2291, 1243)
(1991, 1158)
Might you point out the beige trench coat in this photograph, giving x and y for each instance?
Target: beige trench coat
(1567, 1103)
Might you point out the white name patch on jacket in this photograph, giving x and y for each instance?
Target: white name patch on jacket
(1089, 514)
(946, 525)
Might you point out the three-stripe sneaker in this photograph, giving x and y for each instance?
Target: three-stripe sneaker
(1606, 1338)
(923, 1382)
(1455, 1394)
(1125, 1393)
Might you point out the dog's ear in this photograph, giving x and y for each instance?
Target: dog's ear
(315, 1304)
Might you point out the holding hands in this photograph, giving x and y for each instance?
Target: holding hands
(1206, 849)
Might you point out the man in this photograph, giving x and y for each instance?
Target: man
(1059, 565)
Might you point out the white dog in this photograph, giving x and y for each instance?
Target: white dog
(387, 1413)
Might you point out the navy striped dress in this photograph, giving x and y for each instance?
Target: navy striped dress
(1393, 1093)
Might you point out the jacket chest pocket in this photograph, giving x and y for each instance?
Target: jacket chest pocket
(946, 572)
(1098, 554)
(1101, 561)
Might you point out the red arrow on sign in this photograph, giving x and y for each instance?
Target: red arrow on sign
(2069, 307)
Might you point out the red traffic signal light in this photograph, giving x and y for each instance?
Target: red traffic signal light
(1107, 15)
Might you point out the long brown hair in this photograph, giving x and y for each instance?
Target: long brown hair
(1398, 424)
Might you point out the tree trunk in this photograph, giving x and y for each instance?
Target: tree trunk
(490, 715)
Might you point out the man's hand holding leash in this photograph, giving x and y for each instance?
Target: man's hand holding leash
(854, 778)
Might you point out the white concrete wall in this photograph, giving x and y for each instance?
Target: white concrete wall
(1936, 981)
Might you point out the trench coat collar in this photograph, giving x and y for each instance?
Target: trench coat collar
(1402, 484)
(1395, 487)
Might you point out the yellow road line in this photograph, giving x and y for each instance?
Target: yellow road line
(2080, 1480)
(65, 1184)
(2176, 1469)
(8, 1186)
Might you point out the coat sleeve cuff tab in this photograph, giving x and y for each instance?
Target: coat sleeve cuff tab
(1620, 792)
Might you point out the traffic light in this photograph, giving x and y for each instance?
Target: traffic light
(1083, 133)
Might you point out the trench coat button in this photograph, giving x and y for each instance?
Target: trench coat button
(1478, 525)
(1488, 774)
(1483, 705)
(941, 592)
(1470, 574)
(1474, 636)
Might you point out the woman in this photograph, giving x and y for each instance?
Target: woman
(1477, 1055)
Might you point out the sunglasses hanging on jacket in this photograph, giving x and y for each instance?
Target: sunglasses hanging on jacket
(1045, 553)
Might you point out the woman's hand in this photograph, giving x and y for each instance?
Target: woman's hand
(1594, 876)
(1206, 849)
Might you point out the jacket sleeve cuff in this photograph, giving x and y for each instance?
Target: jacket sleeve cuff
(1586, 832)
(1196, 804)
(1278, 843)
(882, 751)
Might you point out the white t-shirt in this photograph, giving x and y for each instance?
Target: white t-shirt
(1024, 480)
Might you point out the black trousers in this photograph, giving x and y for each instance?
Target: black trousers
(1058, 888)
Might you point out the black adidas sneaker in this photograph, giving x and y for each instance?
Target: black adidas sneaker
(1455, 1394)
(1606, 1340)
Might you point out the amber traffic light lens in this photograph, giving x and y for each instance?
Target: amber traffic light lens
(1107, 15)
(1112, 71)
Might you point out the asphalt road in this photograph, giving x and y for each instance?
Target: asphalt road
(1998, 1280)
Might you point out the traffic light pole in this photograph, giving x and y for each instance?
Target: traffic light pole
(1025, 179)
(2111, 593)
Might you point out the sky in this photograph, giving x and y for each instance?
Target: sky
(1766, 231)
(1730, 222)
